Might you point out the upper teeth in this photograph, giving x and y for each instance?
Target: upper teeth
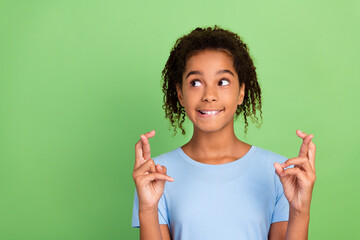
(209, 112)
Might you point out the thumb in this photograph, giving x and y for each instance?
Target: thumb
(164, 169)
(160, 169)
(278, 169)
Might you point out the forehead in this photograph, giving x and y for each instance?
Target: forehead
(209, 58)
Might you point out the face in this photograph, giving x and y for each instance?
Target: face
(210, 90)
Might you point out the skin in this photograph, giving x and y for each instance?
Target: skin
(214, 142)
(149, 180)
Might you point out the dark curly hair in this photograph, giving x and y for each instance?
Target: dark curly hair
(209, 38)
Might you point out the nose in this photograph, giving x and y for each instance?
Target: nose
(209, 95)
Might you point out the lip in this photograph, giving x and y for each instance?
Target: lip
(208, 115)
(209, 109)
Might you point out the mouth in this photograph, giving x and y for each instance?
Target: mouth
(209, 113)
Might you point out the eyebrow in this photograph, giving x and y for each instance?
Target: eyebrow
(200, 73)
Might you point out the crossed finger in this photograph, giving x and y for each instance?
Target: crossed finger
(307, 148)
(305, 145)
(142, 149)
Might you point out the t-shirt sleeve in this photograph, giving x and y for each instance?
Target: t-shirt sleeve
(281, 210)
(162, 211)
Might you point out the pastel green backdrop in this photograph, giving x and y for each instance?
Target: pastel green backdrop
(80, 81)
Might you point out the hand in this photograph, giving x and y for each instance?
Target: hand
(149, 179)
(298, 182)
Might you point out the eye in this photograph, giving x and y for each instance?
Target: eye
(195, 83)
(224, 82)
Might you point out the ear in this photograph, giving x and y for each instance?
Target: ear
(179, 94)
(241, 94)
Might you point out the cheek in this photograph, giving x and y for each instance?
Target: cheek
(232, 100)
(189, 105)
(230, 96)
(191, 98)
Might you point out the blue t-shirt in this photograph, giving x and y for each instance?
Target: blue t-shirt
(235, 200)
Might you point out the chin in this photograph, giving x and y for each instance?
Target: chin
(209, 129)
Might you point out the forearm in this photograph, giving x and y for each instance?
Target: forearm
(149, 225)
(298, 225)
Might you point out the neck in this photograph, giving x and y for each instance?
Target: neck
(212, 144)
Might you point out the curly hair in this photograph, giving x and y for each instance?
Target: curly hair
(203, 39)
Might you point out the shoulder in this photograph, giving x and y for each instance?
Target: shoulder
(167, 158)
(269, 156)
(172, 161)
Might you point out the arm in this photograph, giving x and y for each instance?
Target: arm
(150, 227)
(298, 225)
(149, 180)
(298, 183)
(165, 232)
(295, 228)
(278, 230)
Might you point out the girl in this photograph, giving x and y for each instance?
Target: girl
(220, 187)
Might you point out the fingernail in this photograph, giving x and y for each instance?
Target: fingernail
(283, 164)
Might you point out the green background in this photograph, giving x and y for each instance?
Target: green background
(80, 81)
